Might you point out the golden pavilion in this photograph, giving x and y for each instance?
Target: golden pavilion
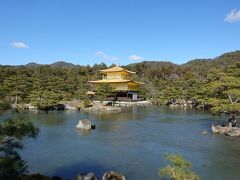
(121, 81)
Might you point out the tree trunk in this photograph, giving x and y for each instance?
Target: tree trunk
(16, 100)
(230, 98)
(173, 174)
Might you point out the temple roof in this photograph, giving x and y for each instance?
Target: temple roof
(110, 81)
(115, 81)
(116, 69)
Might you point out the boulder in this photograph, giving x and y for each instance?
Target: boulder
(85, 124)
(28, 106)
(227, 130)
(233, 132)
(69, 107)
(86, 176)
(111, 175)
(219, 129)
(7, 139)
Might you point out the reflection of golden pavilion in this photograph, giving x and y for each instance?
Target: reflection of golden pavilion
(120, 80)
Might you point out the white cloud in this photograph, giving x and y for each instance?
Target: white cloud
(135, 58)
(21, 45)
(106, 57)
(233, 16)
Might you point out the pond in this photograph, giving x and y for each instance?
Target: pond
(132, 142)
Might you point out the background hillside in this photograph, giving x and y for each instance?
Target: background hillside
(196, 65)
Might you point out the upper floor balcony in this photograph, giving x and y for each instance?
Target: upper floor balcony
(116, 76)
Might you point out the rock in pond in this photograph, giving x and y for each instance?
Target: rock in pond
(86, 176)
(227, 130)
(233, 132)
(85, 124)
(204, 132)
(111, 175)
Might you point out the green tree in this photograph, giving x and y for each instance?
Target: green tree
(11, 132)
(222, 90)
(17, 86)
(179, 168)
(45, 100)
(104, 91)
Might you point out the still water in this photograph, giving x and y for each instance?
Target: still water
(132, 142)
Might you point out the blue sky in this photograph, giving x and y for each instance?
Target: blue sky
(116, 31)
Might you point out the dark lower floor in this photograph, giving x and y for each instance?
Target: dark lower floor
(121, 96)
(125, 96)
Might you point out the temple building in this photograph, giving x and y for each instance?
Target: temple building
(121, 81)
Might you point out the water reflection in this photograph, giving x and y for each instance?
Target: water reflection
(126, 114)
(83, 132)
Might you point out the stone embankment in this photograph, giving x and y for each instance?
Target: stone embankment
(24, 106)
(181, 103)
(132, 103)
(98, 107)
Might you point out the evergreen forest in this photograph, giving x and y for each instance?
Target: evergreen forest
(211, 84)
